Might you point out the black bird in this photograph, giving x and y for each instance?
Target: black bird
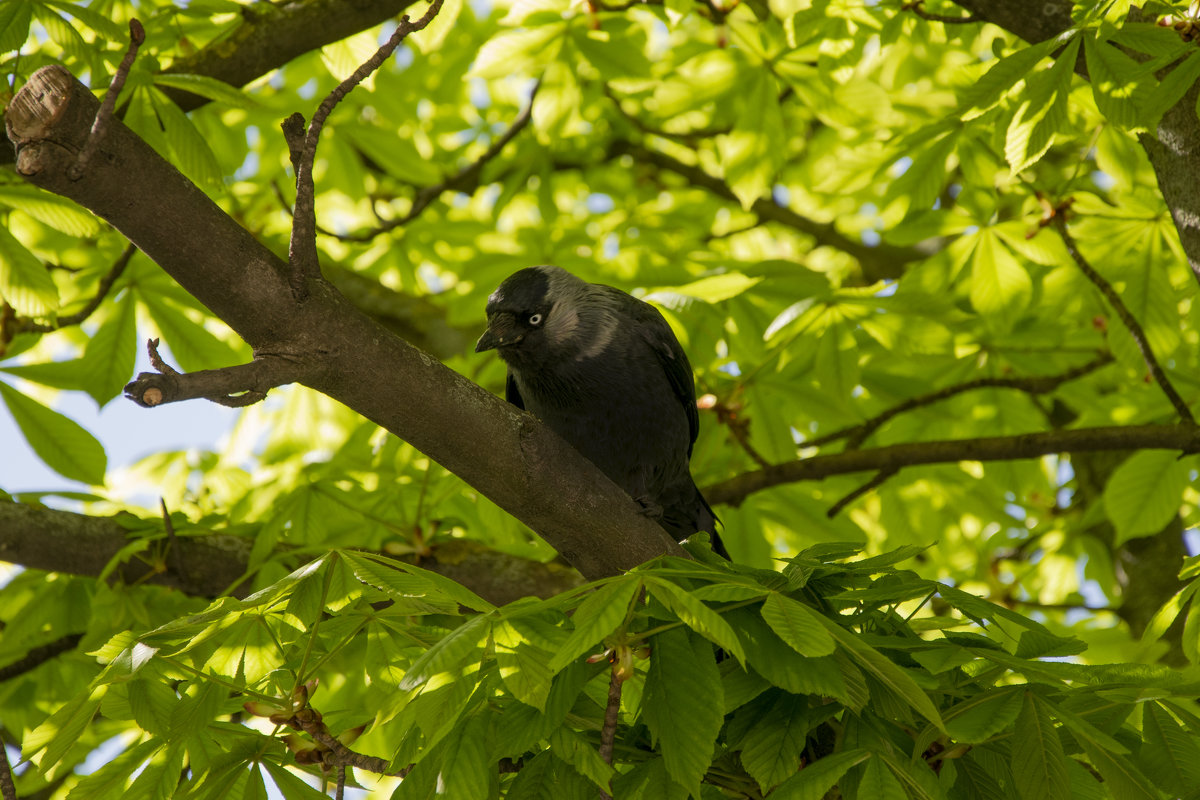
(606, 373)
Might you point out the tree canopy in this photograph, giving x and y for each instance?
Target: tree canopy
(935, 265)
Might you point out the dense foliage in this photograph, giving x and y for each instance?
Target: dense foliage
(870, 227)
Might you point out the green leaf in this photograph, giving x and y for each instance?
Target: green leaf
(24, 282)
(432, 36)
(518, 51)
(1171, 90)
(812, 782)
(797, 625)
(885, 671)
(979, 718)
(193, 156)
(46, 744)
(597, 616)
(1120, 775)
(524, 667)
(108, 360)
(465, 769)
(772, 749)
(453, 652)
(1000, 286)
(1119, 83)
(572, 748)
(1042, 113)
(988, 91)
(210, 88)
(291, 785)
(1038, 762)
(879, 783)
(682, 704)
(191, 343)
(57, 212)
(1171, 754)
(59, 441)
(15, 17)
(613, 56)
(697, 616)
(1145, 493)
(752, 153)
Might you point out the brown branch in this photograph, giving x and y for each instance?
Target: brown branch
(880, 262)
(137, 35)
(8, 789)
(42, 538)
(39, 655)
(465, 180)
(1184, 438)
(608, 733)
(106, 283)
(1058, 222)
(1033, 384)
(235, 387)
(302, 250)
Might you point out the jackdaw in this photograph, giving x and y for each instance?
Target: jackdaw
(605, 372)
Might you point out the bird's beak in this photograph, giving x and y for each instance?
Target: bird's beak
(502, 330)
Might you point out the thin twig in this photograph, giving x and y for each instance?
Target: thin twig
(466, 179)
(608, 733)
(39, 655)
(880, 478)
(1059, 223)
(156, 360)
(102, 290)
(302, 250)
(1035, 385)
(137, 35)
(340, 793)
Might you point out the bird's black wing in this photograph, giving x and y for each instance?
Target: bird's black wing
(655, 330)
(512, 394)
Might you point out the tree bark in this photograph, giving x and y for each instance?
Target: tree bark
(503, 452)
(210, 565)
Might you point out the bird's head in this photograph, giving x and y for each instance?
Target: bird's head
(544, 314)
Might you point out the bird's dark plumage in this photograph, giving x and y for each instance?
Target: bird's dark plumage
(605, 372)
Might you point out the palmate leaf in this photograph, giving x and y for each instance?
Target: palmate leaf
(15, 17)
(988, 91)
(59, 441)
(683, 703)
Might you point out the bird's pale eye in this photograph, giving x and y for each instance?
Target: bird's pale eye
(535, 320)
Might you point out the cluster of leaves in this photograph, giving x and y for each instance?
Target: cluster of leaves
(838, 205)
(754, 682)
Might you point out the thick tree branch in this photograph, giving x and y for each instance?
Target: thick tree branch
(503, 452)
(207, 566)
(1183, 438)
